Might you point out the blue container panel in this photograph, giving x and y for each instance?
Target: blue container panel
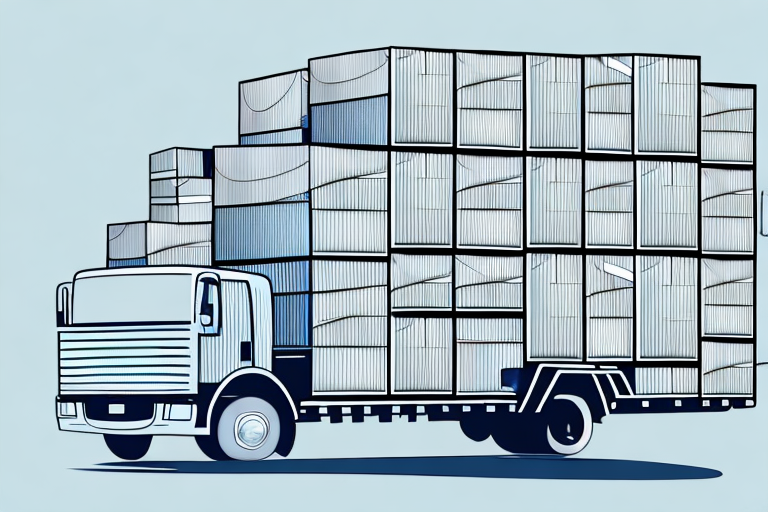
(289, 277)
(291, 320)
(265, 231)
(283, 137)
(134, 262)
(351, 122)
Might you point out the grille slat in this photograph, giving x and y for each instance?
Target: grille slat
(127, 361)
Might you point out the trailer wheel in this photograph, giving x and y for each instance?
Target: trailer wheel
(128, 447)
(248, 429)
(568, 424)
(476, 428)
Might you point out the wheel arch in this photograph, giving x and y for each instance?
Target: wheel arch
(248, 380)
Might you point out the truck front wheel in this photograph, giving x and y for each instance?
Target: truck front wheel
(248, 429)
(128, 447)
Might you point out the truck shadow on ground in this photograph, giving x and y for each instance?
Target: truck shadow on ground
(546, 468)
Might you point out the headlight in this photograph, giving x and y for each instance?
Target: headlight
(67, 409)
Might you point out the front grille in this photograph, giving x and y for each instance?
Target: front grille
(127, 360)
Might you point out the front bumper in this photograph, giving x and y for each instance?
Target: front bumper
(167, 419)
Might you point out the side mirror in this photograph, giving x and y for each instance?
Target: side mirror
(63, 304)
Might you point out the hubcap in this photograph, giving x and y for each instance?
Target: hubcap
(251, 430)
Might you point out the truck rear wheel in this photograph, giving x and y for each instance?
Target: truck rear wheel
(128, 447)
(248, 429)
(568, 424)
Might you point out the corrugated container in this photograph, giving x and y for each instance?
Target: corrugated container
(554, 201)
(159, 244)
(256, 175)
(422, 97)
(485, 347)
(666, 104)
(727, 368)
(180, 163)
(489, 201)
(554, 306)
(610, 306)
(727, 290)
(423, 354)
(274, 103)
(554, 102)
(727, 124)
(489, 100)
(351, 122)
(349, 76)
(421, 282)
(608, 201)
(422, 192)
(668, 299)
(180, 200)
(264, 231)
(349, 326)
(668, 197)
(489, 282)
(666, 381)
(727, 212)
(347, 369)
(287, 277)
(349, 201)
(127, 242)
(608, 103)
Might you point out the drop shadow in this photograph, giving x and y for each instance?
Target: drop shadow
(545, 468)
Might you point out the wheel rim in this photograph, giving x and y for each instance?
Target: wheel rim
(251, 430)
(572, 434)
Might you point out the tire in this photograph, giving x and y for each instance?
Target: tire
(209, 445)
(521, 434)
(476, 428)
(128, 447)
(248, 429)
(568, 424)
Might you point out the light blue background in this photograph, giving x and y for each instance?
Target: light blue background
(89, 89)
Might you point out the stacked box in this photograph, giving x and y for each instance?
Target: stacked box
(423, 355)
(489, 202)
(485, 347)
(422, 196)
(668, 299)
(554, 102)
(666, 104)
(727, 368)
(489, 92)
(610, 307)
(727, 290)
(262, 202)
(667, 204)
(727, 124)
(180, 185)
(489, 283)
(608, 103)
(349, 201)
(157, 243)
(349, 325)
(554, 201)
(349, 98)
(609, 203)
(727, 216)
(666, 381)
(273, 110)
(554, 306)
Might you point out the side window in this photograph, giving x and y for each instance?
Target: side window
(208, 311)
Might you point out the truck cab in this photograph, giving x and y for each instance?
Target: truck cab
(146, 350)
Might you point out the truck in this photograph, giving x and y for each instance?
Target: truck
(521, 243)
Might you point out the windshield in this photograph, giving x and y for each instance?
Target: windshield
(133, 298)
